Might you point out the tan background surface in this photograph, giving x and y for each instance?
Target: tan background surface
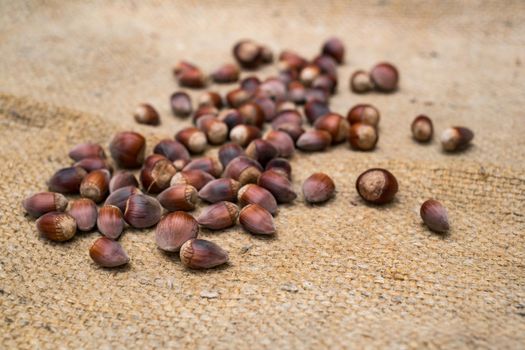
(339, 275)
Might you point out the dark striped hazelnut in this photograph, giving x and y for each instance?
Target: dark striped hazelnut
(255, 219)
(127, 149)
(44, 202)
(108, 253)
(278, 185)
(435, 216)
(146, 114)
(327, 64)
(56, 226)
(228, 152)
(250, 83)
(254, 194)
(287, 116)
(202, 254)
(248, 54)
(196, 178)
(178, 197)
(216, 131)
(231, 117)
(326, 83)
(363, 137)
(244, 134)
(335, 124)
(208, 164)
(243, 169)
(192, 78)
(94, 163)
(280, 165)
(268, 107)
(210, 99)
(142, 211)
(84, 211)
(262, 151)
(120, 196)
(227, 73)
(172, 150)
(314, 110)
(314, 141)
(309, 73)
(181, 105)
(363, 113)
(219, 216)
(318, 188)
(175, 229)
(294, 130)
(86, 150)
(377, 186)
(385, 77)
(238, 97)
(220, 190)
(110, 221)
(422, 128)
(193, 139)
(335, 48)
(296, 92)
(156, 177)
(456, 138)
(282, 142)
(360, 82)
(293, 60)
(95, 185)
(67, 180)
(122, 179)
(273, 88)
(252, 114)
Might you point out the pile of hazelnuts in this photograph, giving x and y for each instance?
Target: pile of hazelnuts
(251, 174)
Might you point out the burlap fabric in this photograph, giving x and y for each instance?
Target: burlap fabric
(340, 275)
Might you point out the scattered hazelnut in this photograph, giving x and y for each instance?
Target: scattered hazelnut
(95, 185)
(220, 190)
(435, 216)
(456, 138)
(56, 226)
(175, 229)
(38, 204)
(318, 188)
(385, 77)
(254, 194)
(248, 54)
(108, 253)
(252, 114)
(360, 82)
(280, 165)
(94, 163)
(181, 104)
(244, 134)
(219, 216)
(110, 221)
(216, 131)
(120, 196)
(156, 177)
(335, 124)
(278, 185)
(334, 47)
(422, 129)
(363, 113)
(377, 186)
(86, 150)
(227, 73)
(196, 178)
(127, 149)
(228, 152)
(314, 140)
(256, 219)
(243, 169)
(122, 179)
(210, 99)
(202, 254)
(193, 139)
(315, 109)
(262, 151)
(363, 137)
(282, 142)
(231, 117)
(146, 114)
(178, 197)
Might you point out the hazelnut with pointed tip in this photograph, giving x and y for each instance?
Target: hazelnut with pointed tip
(146, 114)
(84, 211)
(220, 190)
(314, 140)
(178, 197)
(120, 196)
(108, 253)
(110, 221)
(196, 178)
(95, 185)
(175, 229)
(93, 163)
(171, 149)
(208, 164)
(86, 150)
(38, 204)
(278, 185)
(318, 188)
(262, 151)
(254, 194)
(219, 216)
(142, 211)
(67, 180)
(202, 254)
(335, 124)
(435, 216)
(256, 219)
(193, 139)
(456, 138)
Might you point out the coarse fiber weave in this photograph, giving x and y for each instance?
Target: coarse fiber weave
(339, 275)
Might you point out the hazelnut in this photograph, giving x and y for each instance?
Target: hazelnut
(86, 150)
(172, 150)
(110, 221)
(228, 152)
(56, 226)
(248, 54)
(108, 253)
(456, 138)
(334, 124)
(156, 177)
(262, 151)
(435, 216)
(220, 190)
(243, 169)
(94, 163)
(175, 229)
(178, 197)
(95, 185)
(334, 47)
(282, 142)
(211, 99)
(314, 140)
(422, 129)
(363, 137)
(67, 180)
(227, 73)
(377, 186)
(219, 216)
(278, 185)
(280, 165)
(44, 202)
(202, 254)
(244, 134)
(193, 139)
(360, 82)
(146, 114)
(216, 131)
(196, 178)
(363, 113)
(256, 219)
(254, 194)
(142, 211)
(84, 211)
(315, 110)
(119, 197)
(318, 188)
(385, 77)
(181, 104)
(127, 149)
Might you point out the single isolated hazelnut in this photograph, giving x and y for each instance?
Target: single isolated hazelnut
(202, 254)
(377, 186)
(318, 188)
(84, 211)
(248, 54)
(127, 149)
(181, 104)
(146, 114)
(57, 226)
(435, 216)
(108, 253)
(335, 48)
(175, 229)
(38, 204)
(422, 129)
(363, 137)
(360, 82)
(456, 138)
(385, 77)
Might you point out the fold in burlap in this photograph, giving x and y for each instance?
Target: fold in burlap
(343, 274)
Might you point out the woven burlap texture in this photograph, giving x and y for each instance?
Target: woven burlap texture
(339, 275)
